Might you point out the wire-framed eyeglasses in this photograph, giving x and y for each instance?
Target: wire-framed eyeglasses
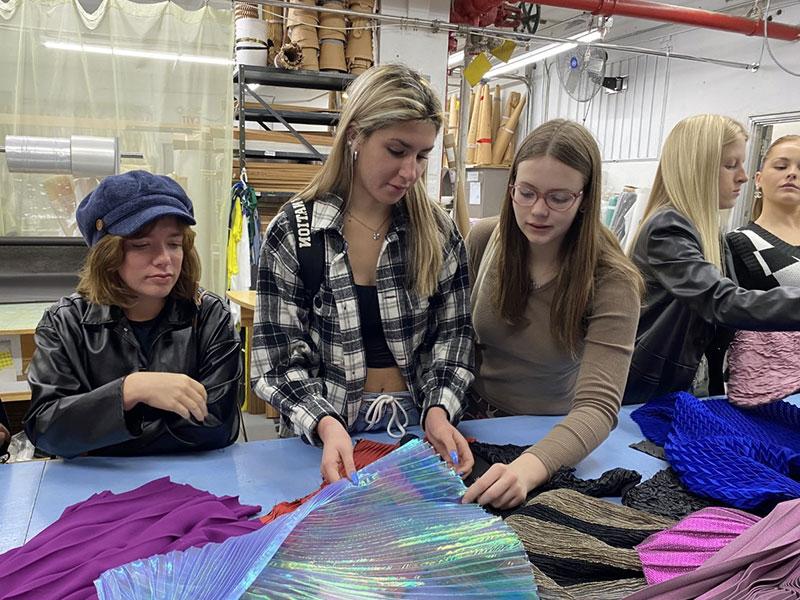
(558, 200)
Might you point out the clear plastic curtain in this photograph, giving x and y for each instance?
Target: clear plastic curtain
(157, 76)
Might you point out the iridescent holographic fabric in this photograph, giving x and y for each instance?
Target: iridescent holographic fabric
(401, 533)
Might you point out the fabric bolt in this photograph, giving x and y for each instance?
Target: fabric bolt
(110, 529)
(762, 563)
(583, 546)
(689, 543)
(764, 366)
(747, 458)
(663, 494)
(401, 532)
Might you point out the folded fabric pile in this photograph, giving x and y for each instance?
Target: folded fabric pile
(402, 532)
(108, 530)
(746, 458)
(691, 542)
(761, 563)
(582, 547)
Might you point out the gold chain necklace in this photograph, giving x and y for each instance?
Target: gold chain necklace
(376, 233)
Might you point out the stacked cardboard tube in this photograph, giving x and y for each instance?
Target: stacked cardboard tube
(332, 37)
(252, 46)
(301, 26)
(490, 135)
(359, 53)
(274, 19)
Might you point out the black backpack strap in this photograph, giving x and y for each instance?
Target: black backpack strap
(310, 249)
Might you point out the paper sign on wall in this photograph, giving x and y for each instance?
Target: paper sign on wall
(475, 192)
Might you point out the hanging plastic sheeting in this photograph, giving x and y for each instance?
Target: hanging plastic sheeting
(402, 532)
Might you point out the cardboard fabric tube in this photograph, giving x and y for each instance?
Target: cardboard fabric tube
(483, 143)
(332, 26)
(274, 18)
(331, 56)
(496, 112)
(506, 132)
(297, 16)
(452, 118)
(358, 51)
(472, 133)
(304, 36)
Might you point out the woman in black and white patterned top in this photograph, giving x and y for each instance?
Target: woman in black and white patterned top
(765, 366)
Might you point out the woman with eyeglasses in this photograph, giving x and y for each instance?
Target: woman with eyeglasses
(555, 304)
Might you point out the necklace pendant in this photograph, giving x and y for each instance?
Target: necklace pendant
(376, 236)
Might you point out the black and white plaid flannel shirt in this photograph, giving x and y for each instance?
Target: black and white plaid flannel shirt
(430, 338)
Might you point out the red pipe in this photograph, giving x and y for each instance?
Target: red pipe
(656, 11)
(465, 11)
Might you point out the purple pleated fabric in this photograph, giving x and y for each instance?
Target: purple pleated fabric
(691, 542)
(763, 563)
(109, 530)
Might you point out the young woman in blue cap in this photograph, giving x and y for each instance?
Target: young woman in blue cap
(139, 360)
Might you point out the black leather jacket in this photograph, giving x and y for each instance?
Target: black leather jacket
(84, 351)
(687, 302)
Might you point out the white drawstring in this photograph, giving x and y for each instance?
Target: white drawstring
(375, 415)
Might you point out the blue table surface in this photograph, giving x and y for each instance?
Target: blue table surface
(34, 494)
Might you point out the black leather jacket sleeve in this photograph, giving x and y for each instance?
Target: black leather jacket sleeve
(674, 258)
(219, 370)
(67, 417)
(80, 364)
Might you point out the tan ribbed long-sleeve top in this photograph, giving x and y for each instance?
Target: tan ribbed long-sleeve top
(522, 371)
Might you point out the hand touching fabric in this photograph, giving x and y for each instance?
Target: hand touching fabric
(448, 441)
(337, 450)
(506, 486)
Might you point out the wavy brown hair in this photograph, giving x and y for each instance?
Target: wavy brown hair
(589, 251)
(100, 282)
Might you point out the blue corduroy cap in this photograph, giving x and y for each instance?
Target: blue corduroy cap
(123, 204)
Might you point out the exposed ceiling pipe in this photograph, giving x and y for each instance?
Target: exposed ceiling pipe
(519, 36)
(669, 13)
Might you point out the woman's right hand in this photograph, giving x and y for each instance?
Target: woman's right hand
(337, 449)
(174, 392)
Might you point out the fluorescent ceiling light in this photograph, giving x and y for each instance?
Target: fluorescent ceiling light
(455, 59)
(169, 56)
(542, 53)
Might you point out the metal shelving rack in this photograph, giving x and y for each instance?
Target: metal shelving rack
(246, 74)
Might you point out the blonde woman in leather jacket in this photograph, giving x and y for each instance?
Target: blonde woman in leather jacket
(692, 297)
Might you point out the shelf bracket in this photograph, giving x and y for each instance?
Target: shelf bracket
(277, 116)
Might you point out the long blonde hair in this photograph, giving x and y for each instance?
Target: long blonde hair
(380, 97)
(589, 250)
(687, 178)
(758, 200)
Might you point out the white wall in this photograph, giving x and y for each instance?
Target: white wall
(687, 88)
(422, 50)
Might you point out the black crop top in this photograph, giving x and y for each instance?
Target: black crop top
(375, 347)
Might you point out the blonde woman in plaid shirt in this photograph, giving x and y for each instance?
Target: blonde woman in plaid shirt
(386, 341)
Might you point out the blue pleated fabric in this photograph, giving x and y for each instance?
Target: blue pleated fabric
(401, 533)
(746, 457)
